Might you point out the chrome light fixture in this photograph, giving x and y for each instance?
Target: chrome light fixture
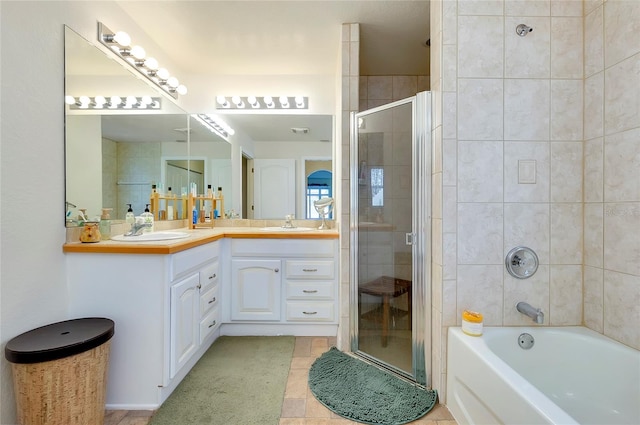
(113, 102)
(120, 43)
(215, 124)
(266, 102)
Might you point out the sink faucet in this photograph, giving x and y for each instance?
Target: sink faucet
(534, 313)
(137, 228)
(287, 222)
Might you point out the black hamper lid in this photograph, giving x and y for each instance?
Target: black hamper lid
(59, 340)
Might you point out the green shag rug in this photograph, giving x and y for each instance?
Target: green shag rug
(364, 393)
(238, 381)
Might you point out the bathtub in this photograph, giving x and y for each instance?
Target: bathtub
(571, 375)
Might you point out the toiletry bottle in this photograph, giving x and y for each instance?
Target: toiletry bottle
(105, 224)
(169, 194)
(194, 216)
(148, 219)
(153, 190)
(209, 191)
(130, 218)
(219, 192)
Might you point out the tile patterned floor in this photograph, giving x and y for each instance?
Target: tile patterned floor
(299, 406)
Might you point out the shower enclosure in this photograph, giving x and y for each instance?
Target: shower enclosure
(390, 236)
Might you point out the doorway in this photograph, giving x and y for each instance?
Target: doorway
(390, 236)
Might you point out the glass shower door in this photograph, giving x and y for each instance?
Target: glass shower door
(388, 201)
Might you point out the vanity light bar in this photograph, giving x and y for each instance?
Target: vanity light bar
(113, 102)
(120, 43)
(215, 124)
(266, 102)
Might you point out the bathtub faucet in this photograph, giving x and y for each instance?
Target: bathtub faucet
(535, 313)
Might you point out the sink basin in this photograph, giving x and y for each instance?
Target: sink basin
(287, 229)
(153, 236)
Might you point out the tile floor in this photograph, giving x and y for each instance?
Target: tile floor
(299, 406)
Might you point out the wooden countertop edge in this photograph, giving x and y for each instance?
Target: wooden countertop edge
(150, 248)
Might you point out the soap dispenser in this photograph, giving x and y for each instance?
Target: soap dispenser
(105, 224)
(147, 218)
(130, 217)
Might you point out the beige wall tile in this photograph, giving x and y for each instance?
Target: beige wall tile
(594, 42)
(449, 162)
(594, 106)
(404, 86)
(513, 190)
(594, 170)
(480, 289)
(622, 233)
(480, 109)
(590, 5)
(622, 166)
(621, 30)
(480, 7)
(527, 225)
(594, 235)
(449, 208)
(566, 59)
(566, 233)
(622, 307)
(593, 298)
(527, 7)
(480, 233)
(380, 87)
(450, 70)
(526, 109)
(566, 172)
(480, 175)
(534, 290)
(566, 109)
(449, 255)
(622, 95)
(449, 115)
(529, 56)
(480, 46)
(565, 295)
(566, 7)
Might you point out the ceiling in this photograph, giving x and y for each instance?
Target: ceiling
(210, 38)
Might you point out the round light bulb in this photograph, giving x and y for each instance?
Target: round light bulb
(182, 89)
(138, 52)
(173, 82)
(163, 74)
(100, 100)
(70, 100)
(236, 100)
(151, 63)
(115, 101)
(122, 38)
(84, 100)
(147, 100)
(252, 101)
(131, 100)
(268, 100)
(221, 100)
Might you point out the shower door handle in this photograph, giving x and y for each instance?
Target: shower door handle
(408, 238)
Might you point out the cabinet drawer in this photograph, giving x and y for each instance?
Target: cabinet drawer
(311, 290)
(184, 261)
(209, 324)
(321, 311)
(282, 248)
(209, 276)
(309, 269)
(209, 299)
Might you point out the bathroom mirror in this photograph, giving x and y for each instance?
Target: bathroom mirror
(112, 156)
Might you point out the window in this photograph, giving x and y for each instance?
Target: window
(377, 187)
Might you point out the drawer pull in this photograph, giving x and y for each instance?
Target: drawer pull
(213, 324)
(212, 300)
(310, 270)
(309, 291)
(309, 312)
(213, 276)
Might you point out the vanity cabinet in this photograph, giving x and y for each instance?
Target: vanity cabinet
(255, 292)
(166, 310)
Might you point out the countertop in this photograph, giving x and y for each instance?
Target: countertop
(197, 237)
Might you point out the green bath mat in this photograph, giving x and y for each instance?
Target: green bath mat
(363, 393)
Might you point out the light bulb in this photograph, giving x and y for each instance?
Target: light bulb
(253, 101)
(299, 101)
(268, 100)
(70, 100)
(122, 38)
(115, 101)
(147, 100)
(284, 101)
(100, 100)
(173, 82)
(182, 89)
(84, 100)
(151, 63)
(131, 100)
(222, 101)
(163, 74)
(236, 100)
(138, 52)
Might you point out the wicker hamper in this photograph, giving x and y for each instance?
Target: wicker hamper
(60, 372)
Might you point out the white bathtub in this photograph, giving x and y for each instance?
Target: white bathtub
(571, 375)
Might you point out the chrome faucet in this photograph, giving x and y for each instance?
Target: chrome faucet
(137, 228)
(534, 313)
(287, 222)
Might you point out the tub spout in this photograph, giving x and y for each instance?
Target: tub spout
(534, 313)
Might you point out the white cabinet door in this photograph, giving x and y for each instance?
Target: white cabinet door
(274, 188)
(256, 288)
(185, 321)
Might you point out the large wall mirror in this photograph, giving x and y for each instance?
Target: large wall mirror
(114, 156)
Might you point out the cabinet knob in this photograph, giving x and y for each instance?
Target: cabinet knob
(213, 276)
(310, 270)
(276, 270)
(198, 286)
(310, 312)
(212, 300)
(309, 291)
(212, 324)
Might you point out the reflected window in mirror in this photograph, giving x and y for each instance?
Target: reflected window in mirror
(319, 185)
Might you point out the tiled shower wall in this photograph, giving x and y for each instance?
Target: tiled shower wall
(612, 169)
(550, 100)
